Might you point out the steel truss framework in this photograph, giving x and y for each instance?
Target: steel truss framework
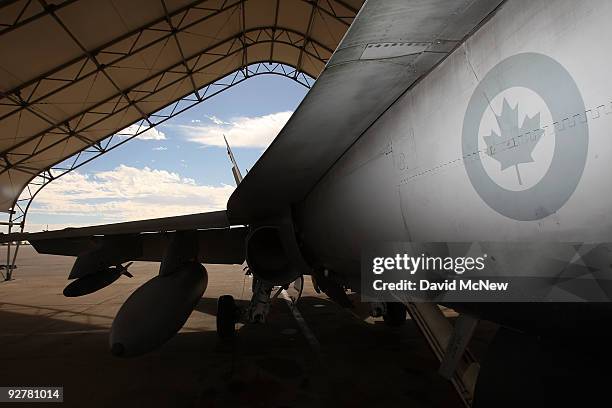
(17, 215)
(103, 64)
(64, 114)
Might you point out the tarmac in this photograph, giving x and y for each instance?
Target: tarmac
(333, 357)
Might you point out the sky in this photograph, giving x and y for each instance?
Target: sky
(179, 167)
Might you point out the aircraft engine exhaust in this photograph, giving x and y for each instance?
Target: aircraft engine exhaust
(269, 258)
(95, 281)
(157, 310)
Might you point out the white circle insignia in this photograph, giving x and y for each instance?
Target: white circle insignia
(513, 141)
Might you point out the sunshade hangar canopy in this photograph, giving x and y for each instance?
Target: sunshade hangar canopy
(74, 72)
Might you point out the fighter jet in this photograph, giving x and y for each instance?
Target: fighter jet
(433, 121)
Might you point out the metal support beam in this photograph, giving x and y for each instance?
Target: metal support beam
(6, 270)
(315, 4)
(258, 35)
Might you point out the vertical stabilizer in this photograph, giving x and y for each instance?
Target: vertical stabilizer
(235, 169)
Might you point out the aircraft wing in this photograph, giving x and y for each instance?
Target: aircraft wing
(146, 240)
(388, 48)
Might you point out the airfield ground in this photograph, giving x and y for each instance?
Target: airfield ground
(47, 339)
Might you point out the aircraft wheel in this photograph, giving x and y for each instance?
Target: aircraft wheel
(226, 317)
(396, 314)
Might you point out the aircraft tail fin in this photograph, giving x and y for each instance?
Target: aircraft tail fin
(235, 169)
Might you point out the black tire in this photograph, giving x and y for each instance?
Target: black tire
(226, 317)
(396, 314)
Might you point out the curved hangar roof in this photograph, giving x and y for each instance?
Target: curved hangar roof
(74, 72)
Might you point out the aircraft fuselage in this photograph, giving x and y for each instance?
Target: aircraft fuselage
(506, 140)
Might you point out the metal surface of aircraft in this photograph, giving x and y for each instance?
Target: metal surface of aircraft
(495, 127)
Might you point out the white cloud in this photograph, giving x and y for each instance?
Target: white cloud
(149, 134)
(217, 121)
(160, 148)
(256, 131)
(128, 193)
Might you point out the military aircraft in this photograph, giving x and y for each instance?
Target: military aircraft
(434, 121)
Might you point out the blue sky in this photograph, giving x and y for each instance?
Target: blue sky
(185, 171)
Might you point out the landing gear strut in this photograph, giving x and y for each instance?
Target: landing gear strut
(258, 308)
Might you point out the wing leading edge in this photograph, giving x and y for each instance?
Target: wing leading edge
(145, 240)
